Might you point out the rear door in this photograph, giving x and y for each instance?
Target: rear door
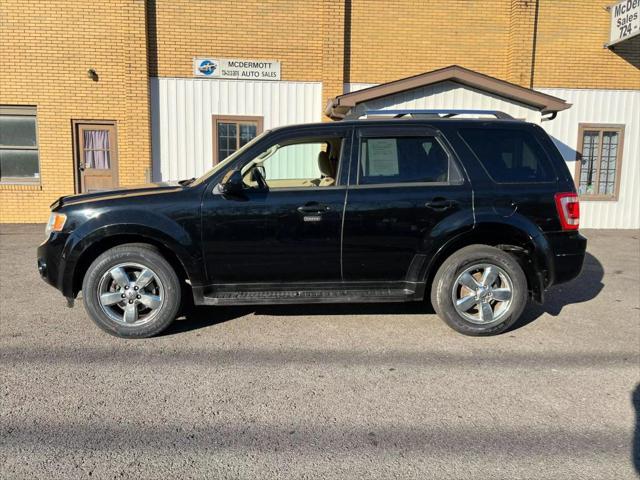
(406, 195)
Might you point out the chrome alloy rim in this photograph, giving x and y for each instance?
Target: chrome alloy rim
(482, 294)
(130, 294)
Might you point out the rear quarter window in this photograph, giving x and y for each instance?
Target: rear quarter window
(509, 155)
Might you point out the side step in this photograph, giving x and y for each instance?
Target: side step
(311, 296)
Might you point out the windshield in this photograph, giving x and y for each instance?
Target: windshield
(222, 165)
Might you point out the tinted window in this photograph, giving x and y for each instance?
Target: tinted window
(403, 160)
(509, 155)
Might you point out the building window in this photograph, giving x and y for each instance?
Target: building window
(599, 160)
(18, 145)
(232, 132)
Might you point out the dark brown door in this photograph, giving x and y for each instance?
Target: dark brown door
(96, 156)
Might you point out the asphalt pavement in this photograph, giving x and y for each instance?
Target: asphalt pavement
(351, 391)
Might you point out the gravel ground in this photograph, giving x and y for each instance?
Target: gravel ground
(355, 391)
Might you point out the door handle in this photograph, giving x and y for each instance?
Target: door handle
(440, 204)
(314, 209)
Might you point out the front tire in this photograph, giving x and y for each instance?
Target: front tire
(479, 291)
(131, 291)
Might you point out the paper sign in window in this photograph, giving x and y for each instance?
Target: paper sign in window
(383, 157)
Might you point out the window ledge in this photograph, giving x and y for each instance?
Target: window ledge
(18, 186)
(597, 198)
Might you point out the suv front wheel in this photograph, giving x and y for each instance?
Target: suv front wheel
(479, 290)
(131, 291)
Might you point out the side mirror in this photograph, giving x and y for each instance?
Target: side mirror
(258, 174)
(231, 184)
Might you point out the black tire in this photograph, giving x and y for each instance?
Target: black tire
(442, 290)
(166, 286)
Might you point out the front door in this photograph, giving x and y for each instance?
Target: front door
(406, 191)
(96, 156)
(286, 233)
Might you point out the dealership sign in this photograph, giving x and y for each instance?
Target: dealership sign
(237, 69)
(625, 21)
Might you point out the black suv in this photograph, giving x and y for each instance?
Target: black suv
(479, 214)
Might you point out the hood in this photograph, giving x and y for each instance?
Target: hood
(122, 192)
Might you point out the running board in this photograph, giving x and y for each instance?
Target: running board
(266, 297)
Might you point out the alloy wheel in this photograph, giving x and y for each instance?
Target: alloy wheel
(131, 294)
(482, 294)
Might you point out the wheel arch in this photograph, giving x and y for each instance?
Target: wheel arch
(83, 260)
(529, 248)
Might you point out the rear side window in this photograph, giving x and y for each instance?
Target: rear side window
(404, 160)
(509, 155)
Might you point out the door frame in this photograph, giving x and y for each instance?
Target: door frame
(216, 118)
(77, 155)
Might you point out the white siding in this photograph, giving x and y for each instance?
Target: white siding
(588, 106)
(603, 106)
(181, 111)
(446, 95)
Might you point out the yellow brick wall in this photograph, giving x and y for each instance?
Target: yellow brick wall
(570, 52)
(397, 38)
(46, 49)
(520, 43)
(304, 35)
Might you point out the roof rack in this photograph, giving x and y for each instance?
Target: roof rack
(448, 113)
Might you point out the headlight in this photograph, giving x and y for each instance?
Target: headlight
(55, 223)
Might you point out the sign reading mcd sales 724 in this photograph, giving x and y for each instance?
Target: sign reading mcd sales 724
(237, 69)
(625, 21)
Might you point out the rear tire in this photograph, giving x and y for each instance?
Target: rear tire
(479, 291)
(131, 291)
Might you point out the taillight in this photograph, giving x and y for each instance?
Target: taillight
(568, 210)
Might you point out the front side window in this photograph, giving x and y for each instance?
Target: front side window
(509, 155)
(385, 160)
(310, 163)
(18, 145)
(598, 163)
(230, 133)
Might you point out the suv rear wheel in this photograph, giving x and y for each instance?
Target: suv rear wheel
(479, 290)
(131, 291)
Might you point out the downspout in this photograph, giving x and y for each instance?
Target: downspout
(534, 44)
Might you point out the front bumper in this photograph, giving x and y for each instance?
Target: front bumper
(51, 262)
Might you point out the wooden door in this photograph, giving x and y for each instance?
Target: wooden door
(96, 156)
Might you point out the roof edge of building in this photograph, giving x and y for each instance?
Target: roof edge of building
(340, 105)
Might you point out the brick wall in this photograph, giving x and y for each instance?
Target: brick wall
(570, 52)
(394, 39)
(46, 49)
(398, 38)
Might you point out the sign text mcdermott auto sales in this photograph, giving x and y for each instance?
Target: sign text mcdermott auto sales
(236, 69)
(625, 21)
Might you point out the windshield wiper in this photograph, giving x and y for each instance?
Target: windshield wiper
(188, 181)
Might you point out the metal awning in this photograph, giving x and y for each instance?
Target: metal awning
(338, 107)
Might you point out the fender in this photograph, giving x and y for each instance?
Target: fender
(157, 228)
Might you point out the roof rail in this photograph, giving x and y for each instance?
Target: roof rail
(447, 113)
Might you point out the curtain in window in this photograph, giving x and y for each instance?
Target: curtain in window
(96, 149)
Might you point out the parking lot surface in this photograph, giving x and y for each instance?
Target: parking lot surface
(353, 391)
